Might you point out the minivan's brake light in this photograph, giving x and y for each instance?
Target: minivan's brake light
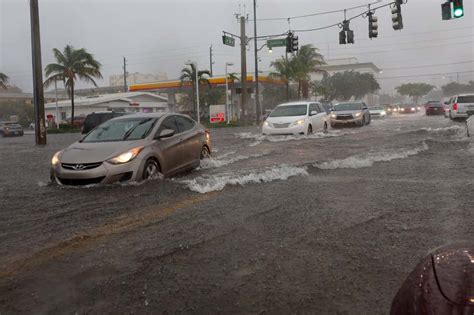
(455, 106)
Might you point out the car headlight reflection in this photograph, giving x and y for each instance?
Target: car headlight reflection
(126, 156)
(55, 158)
(299, 122)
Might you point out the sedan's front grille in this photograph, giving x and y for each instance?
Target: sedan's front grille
(344, 117)
(80, 182)
(80, 166)
(281, 125)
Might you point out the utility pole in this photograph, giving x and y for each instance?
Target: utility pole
(257, 94)
(38, 92)
(125, 88)
(243, 57)
(210, 59)
(287, 79)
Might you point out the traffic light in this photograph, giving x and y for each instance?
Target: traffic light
(342, 37)
(446, 10)
(294, 43)
(373, 26)
(397, 17)
(350, 37)
(346, 36)
(458, 9)
(289, 43)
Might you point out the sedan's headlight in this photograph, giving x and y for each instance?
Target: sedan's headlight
(267, 124)
(333, 116)
(55, 158)
(299, 122)
(383, 113)
(413, 108)
(126, 156)
(357, 114)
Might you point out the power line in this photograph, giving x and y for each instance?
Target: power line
(428, 66)
(318, 13)
(425, 75)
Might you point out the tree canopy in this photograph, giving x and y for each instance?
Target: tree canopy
(3, 80)
(72, 65)
(414, 90)
(298, 68)
(454, 88)
(345, 85)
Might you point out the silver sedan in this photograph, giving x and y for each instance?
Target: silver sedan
(133, 148)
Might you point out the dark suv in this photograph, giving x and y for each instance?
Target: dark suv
(95, 119)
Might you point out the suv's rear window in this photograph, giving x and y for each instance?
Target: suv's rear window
(466, 99)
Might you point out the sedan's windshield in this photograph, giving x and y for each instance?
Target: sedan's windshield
(290, 110)
(121, 130)
(347, 106)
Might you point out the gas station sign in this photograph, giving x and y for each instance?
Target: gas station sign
(217, 113)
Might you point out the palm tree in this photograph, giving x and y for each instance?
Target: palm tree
(306, 61)
(3, 80)
(188, 76)
(284, 71)
(72, 65)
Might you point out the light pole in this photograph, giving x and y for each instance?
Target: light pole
(57, 109)
(227, 91)
(190, 63)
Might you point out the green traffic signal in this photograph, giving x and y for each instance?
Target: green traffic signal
(458, 12)
(458, 8)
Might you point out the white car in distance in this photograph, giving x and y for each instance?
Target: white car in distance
(296, 118)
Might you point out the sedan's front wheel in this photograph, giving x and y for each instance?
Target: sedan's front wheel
(151, 170)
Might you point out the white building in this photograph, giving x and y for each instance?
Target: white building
(137, 78)
(119, 102)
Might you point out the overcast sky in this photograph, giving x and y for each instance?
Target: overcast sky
(159, 36)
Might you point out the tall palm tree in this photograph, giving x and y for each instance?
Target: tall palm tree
(306, 61)
(188, 76)
(283, 71)
(3, 80)
(72, 65)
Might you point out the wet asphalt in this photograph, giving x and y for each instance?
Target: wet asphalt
(329, 223)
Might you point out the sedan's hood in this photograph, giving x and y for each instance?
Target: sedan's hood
(96, 152)
(284, 120)
(378, 111)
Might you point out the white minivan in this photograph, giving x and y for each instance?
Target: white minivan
(296, 118)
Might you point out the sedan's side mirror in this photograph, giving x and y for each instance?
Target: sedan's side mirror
(313, 113)
(446, 103)
(365, 107)
(165, 133)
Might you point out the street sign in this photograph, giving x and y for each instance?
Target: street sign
(281, 42)
(217, 113)
(229, 41)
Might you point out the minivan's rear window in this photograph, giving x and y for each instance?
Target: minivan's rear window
(466, 99)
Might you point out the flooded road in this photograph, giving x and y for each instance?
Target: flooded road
(326, 223)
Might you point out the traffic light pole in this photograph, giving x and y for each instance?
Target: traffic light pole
(38, 93)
